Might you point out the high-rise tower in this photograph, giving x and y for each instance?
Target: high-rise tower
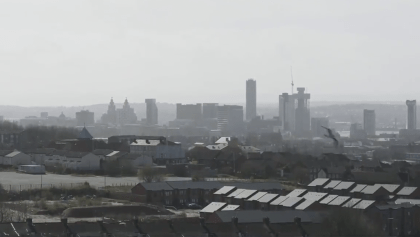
(251, 99)
(411, 115)
(369, 122)
(151, 112)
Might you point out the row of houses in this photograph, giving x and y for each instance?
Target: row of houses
(178, 193)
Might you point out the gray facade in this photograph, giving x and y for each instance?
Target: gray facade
(369, 122)
(251, 99)
(151, 112)
(411, 114)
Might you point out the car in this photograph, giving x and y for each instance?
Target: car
(194, 206)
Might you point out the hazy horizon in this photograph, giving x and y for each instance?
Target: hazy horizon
(64, 53)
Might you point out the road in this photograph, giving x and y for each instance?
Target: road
(24, 180)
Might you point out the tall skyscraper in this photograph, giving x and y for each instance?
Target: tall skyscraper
(369, 122)
(126, 114)
(151, 112)
(302, 116)
(411, 115)
(287, 111)
(251, 99)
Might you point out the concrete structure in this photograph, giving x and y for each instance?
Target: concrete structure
(369, 122)
(83, 161)
(251, 99)
(287, 111)
(126, 115)
(210, 110)
(230, 118)
(317, 125)
(302, 114)
(151, 112)
(411, 115)
(111, 115)
(189, 111)
(85, 118)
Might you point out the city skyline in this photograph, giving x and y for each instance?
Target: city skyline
(128, 47)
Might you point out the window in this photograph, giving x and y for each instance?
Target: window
(168, 193)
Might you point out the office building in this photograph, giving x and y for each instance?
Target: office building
(189, 111)
(287, 111)
(302, 114)
(85, 118)
(411, 115)
(317, 125)
(230, 119)
(251, 99)
(210, 110)
(151, 112)
(369, 122)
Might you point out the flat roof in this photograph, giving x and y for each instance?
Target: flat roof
(296, 193)
(328, 199)
(214, 206)
(257, 196)
(225, 190)
(245, 194)
(338, 201)
(318, 182)
(279, 200)
(352, 202)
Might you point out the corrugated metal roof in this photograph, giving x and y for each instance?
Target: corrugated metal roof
(358, 188)
(352, 202)
(364, 204)
(297, 193)
(344, 186)
(257, 196)
(292, 201)
(328, 199)
(246, 194)
(225, 190)
(236, 192)
(406, 191)
(315, 196)
(279, 200)
(267, 198)
(214, 206)
(338, 201)
(318, 182)
(230, 208)
(305, 204)
(332, 184)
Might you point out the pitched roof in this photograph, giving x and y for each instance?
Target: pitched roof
(13, 154)
(231, 208)
(84, 134)
(305, 204)
(406, 191)
(297, 193)
(358, 188)
(225, 190)
(411, 201)
(371, 189)
(214, 206)
(156, 186)
(315, 196)
(279, 200)
(276, 217)
(344, 185)
(332, 184)
(236, 192)
(364, 204)
(5, 152)
(352, 202)
(390, 187)
(257, 196)
(267, 198)
(328, 199)
(206, 185)
(245, 194)
(260, 186)
(318, 182)
(292, 201)
(338, 201)
(145, 142)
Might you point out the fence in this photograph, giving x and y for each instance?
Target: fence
(21, 187)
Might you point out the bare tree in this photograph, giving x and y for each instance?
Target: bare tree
(149, 174)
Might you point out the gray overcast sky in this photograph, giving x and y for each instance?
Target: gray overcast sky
(83, 52)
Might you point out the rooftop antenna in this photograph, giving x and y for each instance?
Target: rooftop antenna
(291, 74)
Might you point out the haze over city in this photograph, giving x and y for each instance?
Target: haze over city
(83, 52)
